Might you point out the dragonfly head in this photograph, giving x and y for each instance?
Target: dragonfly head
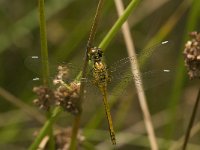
(95, 54)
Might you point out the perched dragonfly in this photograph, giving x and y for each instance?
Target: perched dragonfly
(104, 77)
(100, 79)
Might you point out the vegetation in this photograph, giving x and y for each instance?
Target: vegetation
(170, 95)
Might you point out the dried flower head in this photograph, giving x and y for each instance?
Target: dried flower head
(61, 75)
(68, 97)
(45, 97)
(192, 55)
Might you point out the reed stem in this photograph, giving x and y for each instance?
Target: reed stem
(45, 62)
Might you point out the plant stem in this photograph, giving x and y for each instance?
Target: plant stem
(187, 135)
(51, 142)
(76, 125)
(94, 25)
(45, 62)
(44, 49)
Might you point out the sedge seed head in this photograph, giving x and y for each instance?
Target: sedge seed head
(45, 97)
(62, 74)
(192, 55)
(68, 98)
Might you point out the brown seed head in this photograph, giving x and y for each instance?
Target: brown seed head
(61, 75)
(45, 97)
(192, 55)
(68, 98)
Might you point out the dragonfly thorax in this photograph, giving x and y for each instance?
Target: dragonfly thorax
(99, 66)
(100, 74)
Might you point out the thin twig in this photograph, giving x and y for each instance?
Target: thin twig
(95, 24)
(137, 77)
(194, 112)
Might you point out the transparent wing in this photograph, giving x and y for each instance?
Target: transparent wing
(155, 68)
(145, 55)
(149, 79)
(120, 71)
(33, 63)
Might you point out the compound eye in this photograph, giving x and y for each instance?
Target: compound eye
(100, 53)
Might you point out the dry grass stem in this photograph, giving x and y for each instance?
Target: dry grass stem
(138, 80)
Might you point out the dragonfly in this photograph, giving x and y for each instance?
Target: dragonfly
(105, 76)
(100, 79)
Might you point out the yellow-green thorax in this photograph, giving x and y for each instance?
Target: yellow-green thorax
(99, 71)
(100, 74)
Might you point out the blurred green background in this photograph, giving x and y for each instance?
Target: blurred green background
(68, 26)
